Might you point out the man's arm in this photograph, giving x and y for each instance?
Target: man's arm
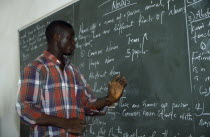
(72, 125)
(29, 91)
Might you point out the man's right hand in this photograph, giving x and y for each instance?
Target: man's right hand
(75, 126)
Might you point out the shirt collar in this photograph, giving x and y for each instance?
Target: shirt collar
(66, 60)
(53, 58)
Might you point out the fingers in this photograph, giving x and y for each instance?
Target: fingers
(79, 123)
(76, 131)
(120, 80)
(82, 124)
(75, 126)
(115, 79)
(124, 83)
(109, 85)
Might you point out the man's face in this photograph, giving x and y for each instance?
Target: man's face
(66, 44)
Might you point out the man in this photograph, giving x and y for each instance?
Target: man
(53, 96)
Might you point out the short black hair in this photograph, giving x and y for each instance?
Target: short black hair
(52, 28)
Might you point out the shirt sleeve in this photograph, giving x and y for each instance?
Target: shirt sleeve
(29, 91)
(88, 98)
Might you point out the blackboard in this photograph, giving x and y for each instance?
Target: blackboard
(162, 47)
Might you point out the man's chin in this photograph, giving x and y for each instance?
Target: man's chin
(69, 53)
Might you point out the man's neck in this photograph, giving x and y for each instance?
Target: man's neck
(58, 55)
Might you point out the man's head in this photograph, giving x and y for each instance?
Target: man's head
(60, 37)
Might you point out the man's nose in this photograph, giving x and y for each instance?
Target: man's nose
(74, 44)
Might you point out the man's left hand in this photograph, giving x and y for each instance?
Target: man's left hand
(115, 88)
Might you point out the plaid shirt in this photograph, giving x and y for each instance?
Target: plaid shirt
(44, 88)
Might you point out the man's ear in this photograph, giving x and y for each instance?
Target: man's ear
(56, 37)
